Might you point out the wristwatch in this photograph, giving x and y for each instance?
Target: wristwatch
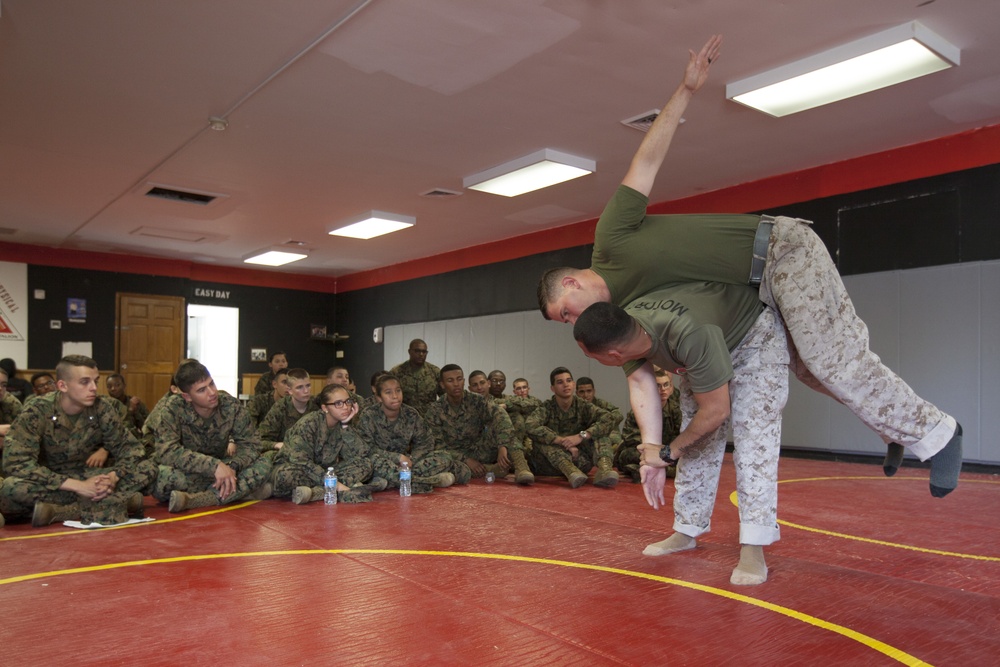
(665, 456)
(584, 435)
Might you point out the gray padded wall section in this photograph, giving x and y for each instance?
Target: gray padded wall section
(938, 327)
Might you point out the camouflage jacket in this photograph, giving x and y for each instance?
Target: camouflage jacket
(460, 427)
(407, 435)
(45, 445)
(671, 423)
(263, 385)
(189, 442)
(10, 408)
(421, 385)
(258, 407)
(281, 417)
(134, 420)
(609, 407)
(549, 421)
(314, 445)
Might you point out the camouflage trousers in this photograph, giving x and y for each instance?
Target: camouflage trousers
(829, 343)
(18, 496)
(757, 393)
(387, 465)
(247, 480)
(286, 476)
(485, 455)
(544, 459)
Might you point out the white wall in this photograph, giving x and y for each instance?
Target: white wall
(938, 327)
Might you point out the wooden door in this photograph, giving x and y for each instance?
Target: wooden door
(150, 343)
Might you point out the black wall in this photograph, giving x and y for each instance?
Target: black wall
(278, 319)
(946, 219)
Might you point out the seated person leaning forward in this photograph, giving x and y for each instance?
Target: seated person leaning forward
(284, 413)
(194, 431)
(628, 459)
(397, 433)
(48, 446)
(474, 432)
(568, 435)
(321, 440)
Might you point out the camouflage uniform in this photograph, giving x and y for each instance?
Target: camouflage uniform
(134, 420)
(549, 421)
(281, 417)
(46, 446)
(258, 407)
(189, 448)
(758, 392)
(150, 426)
(612, 440)
(311, 447)
(474, 429)
(10, 408)
(829, 343)
(627, 455)
(518, 409)
(264, 384)
(407, 435)
(421, 384)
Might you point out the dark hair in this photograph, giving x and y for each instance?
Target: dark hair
(475, 373)
(280, 371)
(274, 354)
(327, 391)
(43, 374)
(116, 375)
(375, 376)
(524, 380)
(601, 326)
(549, 287)
(584, 380)
(71, 361)
(381, 381)
(190, 372)
(500, 372)
(558, 370)
(448, 368)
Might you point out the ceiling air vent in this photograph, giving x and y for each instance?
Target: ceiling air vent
(642, 121)
(440, 193)
(199, 198)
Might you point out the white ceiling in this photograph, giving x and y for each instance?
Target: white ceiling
(337, 107)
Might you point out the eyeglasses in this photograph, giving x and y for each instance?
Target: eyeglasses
(339, 404)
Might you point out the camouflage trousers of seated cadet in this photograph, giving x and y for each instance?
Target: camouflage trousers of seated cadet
(387, 466)
(544, 459)
(247, 480)
(286, 476)
(484, 450)
(18, 496)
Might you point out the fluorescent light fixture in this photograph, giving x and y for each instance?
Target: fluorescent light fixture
(880, 60)
(274, 256)
(372, 224)
(531, 172)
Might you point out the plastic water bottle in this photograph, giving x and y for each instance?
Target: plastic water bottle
(405, 475)
(330, 487)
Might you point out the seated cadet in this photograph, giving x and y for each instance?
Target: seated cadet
(397, 433)
(16, 386)
(192, 437)
(10, 407)
(284, 413)
(259, 404)
(373, 399)
(277, 362)
(137, 412)
(340, 375)
(585, 390)
(480, 384)
(521, 388)
(563, 433)
(324, 439)
(470, 429)
(49, 444)
(43, 383)
(627, 456)
(498, 382)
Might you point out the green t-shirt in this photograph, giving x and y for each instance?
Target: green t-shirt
(637, 253)
(694, 327)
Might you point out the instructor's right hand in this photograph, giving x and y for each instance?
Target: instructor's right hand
(653, 481)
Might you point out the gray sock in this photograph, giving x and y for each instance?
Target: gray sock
(946, 464)
(893, 459)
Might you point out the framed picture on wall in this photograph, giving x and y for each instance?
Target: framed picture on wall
(258, 354)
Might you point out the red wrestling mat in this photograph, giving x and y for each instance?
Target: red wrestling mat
(869, 571)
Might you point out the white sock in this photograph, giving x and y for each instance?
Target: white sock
(673, 544)
(752, 569)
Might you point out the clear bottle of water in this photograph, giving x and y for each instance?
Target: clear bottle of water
(405, 475)
(330, 487)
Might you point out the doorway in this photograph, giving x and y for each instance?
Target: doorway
(213, 335)
(149, 342)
